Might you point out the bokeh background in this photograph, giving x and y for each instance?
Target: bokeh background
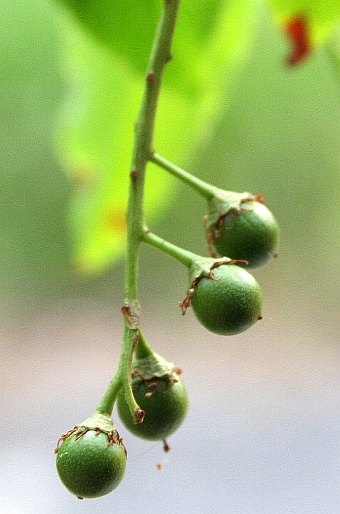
(263, 431)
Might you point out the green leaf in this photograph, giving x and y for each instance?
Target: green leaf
(95, 132)
(123, 26)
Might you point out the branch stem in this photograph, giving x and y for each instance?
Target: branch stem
(144, 129)
(142, 149)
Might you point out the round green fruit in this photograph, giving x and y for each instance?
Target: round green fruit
(165, 402)
(229, 303)
(252, 234)
(91, 463)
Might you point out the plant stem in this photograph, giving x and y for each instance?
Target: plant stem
(203, 188)
(105, 406)
(122, 379)
(144, 129)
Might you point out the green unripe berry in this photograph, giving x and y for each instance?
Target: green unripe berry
(165, 402)
(228, 302)
(90, 462)
(251, 234)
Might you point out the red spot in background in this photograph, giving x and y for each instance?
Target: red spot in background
(297, 31)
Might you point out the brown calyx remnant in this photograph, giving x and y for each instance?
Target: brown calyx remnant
(186, 303)
(63, 437)
(140, 415)
(213, 232)
(153, 383)
(113, 436)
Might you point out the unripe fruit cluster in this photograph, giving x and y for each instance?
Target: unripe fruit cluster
(241, 233)
(152, 401)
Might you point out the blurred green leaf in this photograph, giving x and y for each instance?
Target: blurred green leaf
(125, 27)
(104, 89)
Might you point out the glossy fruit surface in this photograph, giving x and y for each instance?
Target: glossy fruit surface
(230, 304)
(251, 235)
(91, 464)
(165, 402)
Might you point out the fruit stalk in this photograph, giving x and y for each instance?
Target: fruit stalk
(206, 190)
(180, 254)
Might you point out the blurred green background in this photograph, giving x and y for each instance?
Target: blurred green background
(263, 430)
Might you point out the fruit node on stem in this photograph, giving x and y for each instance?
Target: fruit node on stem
(131, 312)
